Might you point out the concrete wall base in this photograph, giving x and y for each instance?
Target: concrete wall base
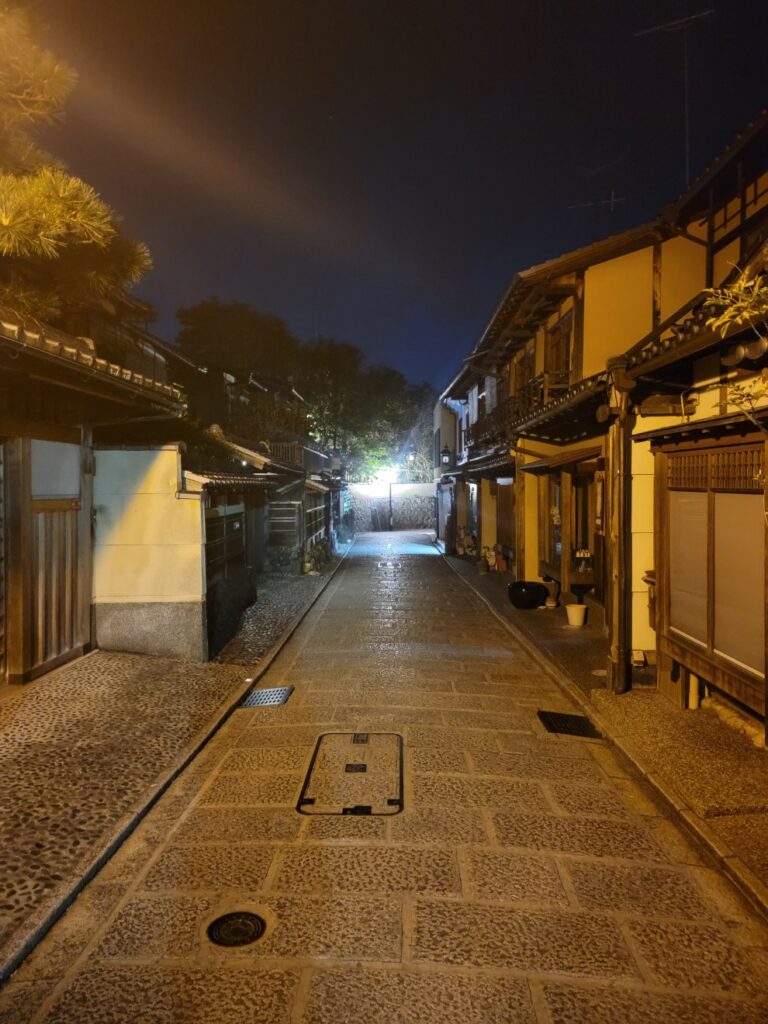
(174, 629)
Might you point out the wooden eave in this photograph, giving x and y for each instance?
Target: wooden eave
(563, 460)
(216, 481)
(685, 334)
(568, 418)
(696, 196)
(66, 361)
(715, 427)
(537, 292)
(497, 463)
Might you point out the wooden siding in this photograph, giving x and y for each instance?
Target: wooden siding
(54, 630)
(284, 523)
(317, 518)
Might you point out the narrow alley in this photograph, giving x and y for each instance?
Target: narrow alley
(528, 877)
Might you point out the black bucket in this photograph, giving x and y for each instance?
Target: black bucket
(527, 594)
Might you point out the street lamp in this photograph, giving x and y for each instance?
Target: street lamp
(446, 456)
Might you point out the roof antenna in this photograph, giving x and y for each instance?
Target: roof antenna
(612, 202)
(682, 25)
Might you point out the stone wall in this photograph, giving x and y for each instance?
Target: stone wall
(413, 506)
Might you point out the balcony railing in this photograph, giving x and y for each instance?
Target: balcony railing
(297, 454)
(492, 428)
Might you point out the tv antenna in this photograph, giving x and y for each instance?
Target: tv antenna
(682, 25)
(612, 202)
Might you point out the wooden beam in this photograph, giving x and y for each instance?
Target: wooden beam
(18, 426)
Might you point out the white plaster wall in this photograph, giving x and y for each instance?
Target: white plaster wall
(149, 544)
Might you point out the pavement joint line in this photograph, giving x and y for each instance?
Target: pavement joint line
(166, 779)
(749, 885)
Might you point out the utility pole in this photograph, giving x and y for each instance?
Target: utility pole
(682, 25)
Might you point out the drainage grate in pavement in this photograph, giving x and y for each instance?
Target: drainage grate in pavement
(267, 698)
(366, 780)
(568, 725)
(239, 928)
(389, 565)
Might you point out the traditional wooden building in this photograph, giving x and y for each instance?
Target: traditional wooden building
(547, 451)
(708, 453)
(55, 390)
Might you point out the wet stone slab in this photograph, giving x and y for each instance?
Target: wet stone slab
(609, 1006)
(210, 867)
(529, 879)
(533, 765)
(383, 871)
(513, 877)
(595, 836)
(697, 956)
(162, 995)
(384, 997)
(488, 936)
(474, 791)
(246, 825)
(636, 889)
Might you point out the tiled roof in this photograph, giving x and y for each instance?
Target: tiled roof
(61, 347)
(229, 481)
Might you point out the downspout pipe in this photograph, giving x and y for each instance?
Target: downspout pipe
(622, 671)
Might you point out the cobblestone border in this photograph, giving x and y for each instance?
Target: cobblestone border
(752, 888)
(164, 781)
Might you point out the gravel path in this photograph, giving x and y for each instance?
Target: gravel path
(280, 600)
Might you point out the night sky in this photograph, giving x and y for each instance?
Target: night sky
(378, 171)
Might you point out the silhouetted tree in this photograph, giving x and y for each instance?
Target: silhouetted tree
(61, 247)
(234, 336)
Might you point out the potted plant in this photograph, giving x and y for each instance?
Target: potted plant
(489, 556)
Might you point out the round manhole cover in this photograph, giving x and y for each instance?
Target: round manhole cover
(237, 929)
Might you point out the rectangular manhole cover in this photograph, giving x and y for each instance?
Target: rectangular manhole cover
(267, 698)
(354, 773)
(568, 725)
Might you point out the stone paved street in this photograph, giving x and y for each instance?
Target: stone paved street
(530, 877)
(87, 747)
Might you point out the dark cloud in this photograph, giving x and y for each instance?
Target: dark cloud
(378, 171)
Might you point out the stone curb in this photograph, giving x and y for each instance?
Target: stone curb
(746, 881)
(155, 790)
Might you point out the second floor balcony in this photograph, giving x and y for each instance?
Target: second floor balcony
(493, 427)
(297, 454)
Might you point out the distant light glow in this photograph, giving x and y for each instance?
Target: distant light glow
(387, 474)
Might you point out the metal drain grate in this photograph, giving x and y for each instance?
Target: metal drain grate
(389, 565)
(267, 698)
(239, 928)
(568, 725)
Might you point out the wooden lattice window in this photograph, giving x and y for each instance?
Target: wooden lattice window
(688, 471)
(738, 469)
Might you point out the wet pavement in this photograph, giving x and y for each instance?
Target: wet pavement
(85, 749)
(529, 878)
(710, 765)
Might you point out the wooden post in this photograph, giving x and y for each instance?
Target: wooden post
(19, 558)
(619, 613)
(85, 541)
